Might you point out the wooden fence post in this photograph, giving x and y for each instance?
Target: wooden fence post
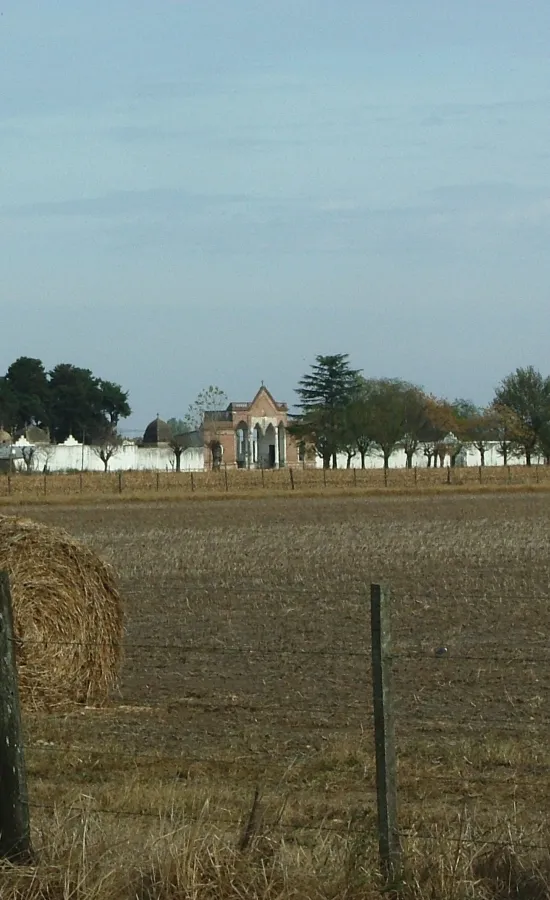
(226, 479)
(291, 474)
(15, 834)
(120, 482)
(192, 483)
(158, 481)
(384, 737)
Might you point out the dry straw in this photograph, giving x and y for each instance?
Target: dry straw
(68, 615)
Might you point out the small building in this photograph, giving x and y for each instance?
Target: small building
(249, 435)
(8, 453)
(157, 434)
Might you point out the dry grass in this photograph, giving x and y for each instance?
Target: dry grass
(86, 858)
(67, 615)
(195, 731)
(236, 483)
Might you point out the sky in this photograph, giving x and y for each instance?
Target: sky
(198, 192)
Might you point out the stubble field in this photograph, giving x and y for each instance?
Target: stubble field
(248, 671)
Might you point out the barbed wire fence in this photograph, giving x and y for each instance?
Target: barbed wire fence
(289, 480)
(373, 717)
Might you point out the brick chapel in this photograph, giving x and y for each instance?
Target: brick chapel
(250, 435)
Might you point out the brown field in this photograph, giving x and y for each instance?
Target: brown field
(24, 488)
(248, 666)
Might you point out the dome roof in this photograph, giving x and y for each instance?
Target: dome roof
(157, 432)
(5, 438)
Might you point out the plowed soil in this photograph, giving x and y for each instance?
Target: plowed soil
(248, 660)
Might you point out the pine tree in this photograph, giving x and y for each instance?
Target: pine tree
(325, 393)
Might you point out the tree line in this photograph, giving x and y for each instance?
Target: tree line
(65, 400)
(342, 411)
(339, 411)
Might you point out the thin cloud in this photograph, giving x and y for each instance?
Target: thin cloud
(127, 203)
(130, 134)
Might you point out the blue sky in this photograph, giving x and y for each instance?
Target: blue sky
(205, 192)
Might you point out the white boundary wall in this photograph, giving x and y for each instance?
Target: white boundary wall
(72, 456)
(470, 457)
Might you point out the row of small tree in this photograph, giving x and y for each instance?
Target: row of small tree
(341, 411)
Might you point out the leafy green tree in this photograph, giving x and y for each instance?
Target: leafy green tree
(464, 410)
(75, 404)
(462, 416)
(416, 420)
(28, 383)
(178, 426)
(83, 405)
(526, 393)
(325, 394)
(441, 420)
(357, 424)
(543, 442)
(8, 407)
(114, 402)
(66, 400)
(397, 416)
(507, 430)
(325, 431)
(479, 428)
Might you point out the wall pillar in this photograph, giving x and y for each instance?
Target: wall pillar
(276, 446)
(250, 447)
(282, 449)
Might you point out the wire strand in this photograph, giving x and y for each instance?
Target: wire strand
(322, 827)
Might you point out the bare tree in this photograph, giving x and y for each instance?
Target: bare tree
(36, 456)
(180, 443)
(211, 400)
(107, 447)
(28, 455)
(47, 451)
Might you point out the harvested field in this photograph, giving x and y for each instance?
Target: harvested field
(247, 665)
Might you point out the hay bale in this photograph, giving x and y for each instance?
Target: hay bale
(68, 615)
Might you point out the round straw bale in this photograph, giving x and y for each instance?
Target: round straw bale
(68, 615)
